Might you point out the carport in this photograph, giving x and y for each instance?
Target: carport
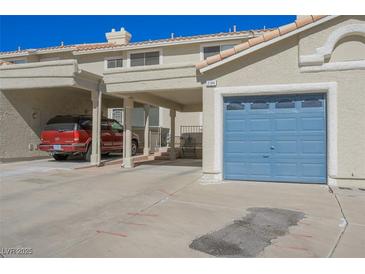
(35, 92)
(175, 87)
(61, 87)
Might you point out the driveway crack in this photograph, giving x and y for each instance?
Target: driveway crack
(344, 227)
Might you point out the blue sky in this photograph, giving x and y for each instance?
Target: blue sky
(44, 31)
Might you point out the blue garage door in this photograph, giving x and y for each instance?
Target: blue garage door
(275, 138)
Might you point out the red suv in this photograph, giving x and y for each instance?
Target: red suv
(71, 135)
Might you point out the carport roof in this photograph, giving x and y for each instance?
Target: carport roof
(261, 41)
(60, 73)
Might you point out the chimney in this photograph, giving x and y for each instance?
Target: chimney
(121, 37)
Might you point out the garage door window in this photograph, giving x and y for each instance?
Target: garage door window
(259, 105)
(285, 103)
(235, 106)
(311, 103)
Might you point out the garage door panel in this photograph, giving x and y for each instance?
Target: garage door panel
(256, 124)
(237, 146)
(234, 168)
(260, 168)
(312, 123)
(312, 170)
(236, 125)
(280, 139)
(259, 146)
(285, 124)
(236, 136)
(285, 169)
(284, 147)
(313, 146)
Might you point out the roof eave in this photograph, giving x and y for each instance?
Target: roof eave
(163, 44)
(265, 44)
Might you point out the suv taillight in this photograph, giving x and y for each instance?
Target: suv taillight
(76, 135)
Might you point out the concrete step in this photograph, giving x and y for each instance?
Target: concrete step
(162, 158)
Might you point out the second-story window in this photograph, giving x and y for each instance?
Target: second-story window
(18, 61)
(213, 50)
(114, 63)
(145, 59)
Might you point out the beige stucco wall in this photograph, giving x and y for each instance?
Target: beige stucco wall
(24, 113)
(188, 119)
(181, 119)
(278, 64)
(172, 54)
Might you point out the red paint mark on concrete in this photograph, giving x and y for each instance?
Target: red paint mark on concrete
(165, 192)
(129, 223)
(292, 247)
(142, 214)
(112, 233)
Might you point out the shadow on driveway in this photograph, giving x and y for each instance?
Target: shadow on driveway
(178, 162)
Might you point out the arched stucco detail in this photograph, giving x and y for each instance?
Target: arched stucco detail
(324, 53)
(350, 48)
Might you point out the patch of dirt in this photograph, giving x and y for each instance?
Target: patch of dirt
(248, 236)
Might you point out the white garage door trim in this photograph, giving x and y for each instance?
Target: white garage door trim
(329, 88)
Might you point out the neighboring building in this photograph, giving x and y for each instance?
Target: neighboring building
(283, 105)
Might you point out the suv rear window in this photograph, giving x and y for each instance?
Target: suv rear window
(62, 123)
(61, 126)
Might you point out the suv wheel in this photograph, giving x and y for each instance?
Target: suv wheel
(87, 154)
(134, 147)
(60, 157)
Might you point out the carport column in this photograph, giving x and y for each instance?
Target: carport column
(172, 135)
(146, 148)
(127, 136)
(96, 121)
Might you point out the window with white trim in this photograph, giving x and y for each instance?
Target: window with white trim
(114, 63)
(213, 50)
(145, 58)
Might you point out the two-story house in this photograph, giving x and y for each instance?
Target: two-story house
(278, 105)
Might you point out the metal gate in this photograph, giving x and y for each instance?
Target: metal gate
(191, 139)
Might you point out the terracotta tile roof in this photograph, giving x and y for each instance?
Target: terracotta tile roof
(105, 45)
(36, 50)
(303, 21)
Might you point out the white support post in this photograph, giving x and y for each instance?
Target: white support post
(96, 123)
(127, 136)
(172, 135)
(146, 148)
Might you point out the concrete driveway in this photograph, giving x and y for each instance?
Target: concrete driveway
(158, 209)
(13, 169)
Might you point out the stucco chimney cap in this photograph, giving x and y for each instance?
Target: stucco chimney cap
(121, 37)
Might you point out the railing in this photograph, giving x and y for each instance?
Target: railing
(191, 140)
(157, 137)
